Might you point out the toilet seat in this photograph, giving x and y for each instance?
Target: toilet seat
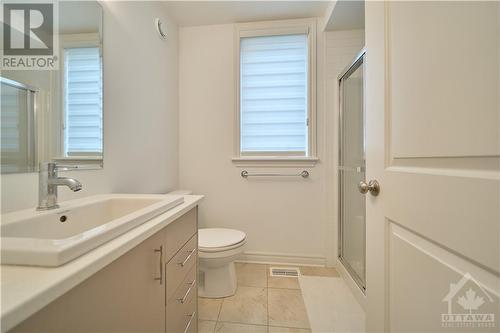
(220, 249)
(219, 239)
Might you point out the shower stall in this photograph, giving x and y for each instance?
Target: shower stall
(351, 171)
(17, 127)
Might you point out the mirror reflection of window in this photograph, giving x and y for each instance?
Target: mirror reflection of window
(82, 101)
(57, 115)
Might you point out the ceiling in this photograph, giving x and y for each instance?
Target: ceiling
(79, 17)
(190, 13)
(347, 15)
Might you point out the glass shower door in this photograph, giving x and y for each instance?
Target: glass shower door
(17, 127)
(352, 171)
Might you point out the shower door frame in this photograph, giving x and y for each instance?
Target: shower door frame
(358, 60)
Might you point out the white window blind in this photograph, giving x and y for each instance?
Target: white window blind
(274, 94)
(83, 101)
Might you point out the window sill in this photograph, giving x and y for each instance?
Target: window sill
(275, 161)
(89, 162)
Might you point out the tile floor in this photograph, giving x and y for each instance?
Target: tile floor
(262, 304)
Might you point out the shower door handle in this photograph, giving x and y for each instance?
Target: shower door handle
(373, 187)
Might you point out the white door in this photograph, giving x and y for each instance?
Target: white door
(433, 144)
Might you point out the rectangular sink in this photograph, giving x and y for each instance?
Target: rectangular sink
(52, 238)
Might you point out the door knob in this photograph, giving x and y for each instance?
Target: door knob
(373, 187)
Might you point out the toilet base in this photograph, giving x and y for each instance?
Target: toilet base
(217, 282)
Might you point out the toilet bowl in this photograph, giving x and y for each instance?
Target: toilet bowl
(218, 248)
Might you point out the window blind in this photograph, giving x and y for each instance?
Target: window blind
(274, 94)
(83, 101)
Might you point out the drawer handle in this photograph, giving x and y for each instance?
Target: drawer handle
(190, 321)
(183, 263)
(160, 250)
(191, 285)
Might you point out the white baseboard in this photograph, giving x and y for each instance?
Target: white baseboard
(281, 259)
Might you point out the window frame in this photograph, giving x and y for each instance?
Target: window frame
(76, 41)
(273, 28)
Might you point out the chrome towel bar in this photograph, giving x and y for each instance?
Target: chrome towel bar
(246, 174)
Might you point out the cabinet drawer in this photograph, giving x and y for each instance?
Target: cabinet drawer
(181, 307)
(181, 264)
(179, 232)
(184, 320)
(192, 325)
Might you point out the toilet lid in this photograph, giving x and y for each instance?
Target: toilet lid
(219, 237)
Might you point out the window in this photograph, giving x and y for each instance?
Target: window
(275, 91)
(82, 101)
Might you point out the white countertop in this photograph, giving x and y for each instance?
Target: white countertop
(27, 289)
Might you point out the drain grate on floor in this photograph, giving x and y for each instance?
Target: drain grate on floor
(284, 271)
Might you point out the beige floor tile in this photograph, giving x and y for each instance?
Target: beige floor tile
(223, 327)
(319, 271)
(273, 329)
(247, 306)
(209, 308)
(251, 275)
(287, 308)
(282, 282)
(206, 326)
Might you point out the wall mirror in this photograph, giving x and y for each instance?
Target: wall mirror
(57, 115)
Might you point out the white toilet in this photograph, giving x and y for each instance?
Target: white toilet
(218, 248)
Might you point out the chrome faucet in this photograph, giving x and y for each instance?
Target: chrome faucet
(48, 181)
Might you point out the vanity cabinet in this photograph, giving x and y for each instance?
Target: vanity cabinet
(151, 288)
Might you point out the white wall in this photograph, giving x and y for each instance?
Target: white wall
(140, 111)
(282, 217)
(140, 98)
